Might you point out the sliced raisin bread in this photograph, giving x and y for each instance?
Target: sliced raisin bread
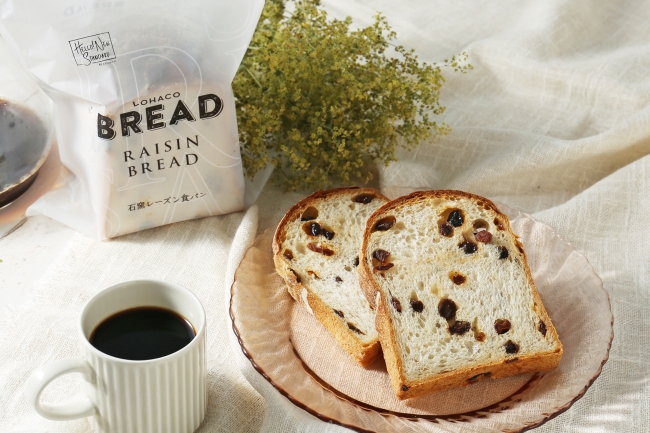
(454, 296)
(316, 249)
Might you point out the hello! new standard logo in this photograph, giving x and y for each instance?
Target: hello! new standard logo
(93, 49)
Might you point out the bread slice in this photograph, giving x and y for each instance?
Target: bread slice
(455, 299)
(316, 251)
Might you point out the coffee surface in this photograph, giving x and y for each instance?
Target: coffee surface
(142, 333)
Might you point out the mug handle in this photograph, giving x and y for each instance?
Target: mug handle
(80, 407)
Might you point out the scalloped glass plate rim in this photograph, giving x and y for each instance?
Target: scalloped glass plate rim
(543, 418)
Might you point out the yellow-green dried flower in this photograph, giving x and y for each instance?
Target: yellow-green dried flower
(320, 101)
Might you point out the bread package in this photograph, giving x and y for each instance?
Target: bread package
(144, 109)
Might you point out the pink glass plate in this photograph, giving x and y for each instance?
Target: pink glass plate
(301, 360)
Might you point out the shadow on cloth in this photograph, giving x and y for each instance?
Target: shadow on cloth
(233, 406)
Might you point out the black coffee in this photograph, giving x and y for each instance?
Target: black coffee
(142, 333)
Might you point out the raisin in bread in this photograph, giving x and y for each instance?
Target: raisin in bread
(454, 296)
(316, 249)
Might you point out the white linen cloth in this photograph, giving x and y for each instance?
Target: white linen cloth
(554, 120)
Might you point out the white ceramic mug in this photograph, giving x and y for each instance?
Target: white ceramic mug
(159, 395)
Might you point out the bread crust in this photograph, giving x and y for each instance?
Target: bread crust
(460, 377)
(363, 353)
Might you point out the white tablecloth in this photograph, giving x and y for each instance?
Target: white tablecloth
(554, 120)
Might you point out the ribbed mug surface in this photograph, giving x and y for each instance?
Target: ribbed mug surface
(165, 395)
(161, 395)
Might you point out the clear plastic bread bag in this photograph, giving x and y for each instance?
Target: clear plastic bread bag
(144, 110)
(26, 127)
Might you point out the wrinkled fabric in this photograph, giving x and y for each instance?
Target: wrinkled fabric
(554, 120)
